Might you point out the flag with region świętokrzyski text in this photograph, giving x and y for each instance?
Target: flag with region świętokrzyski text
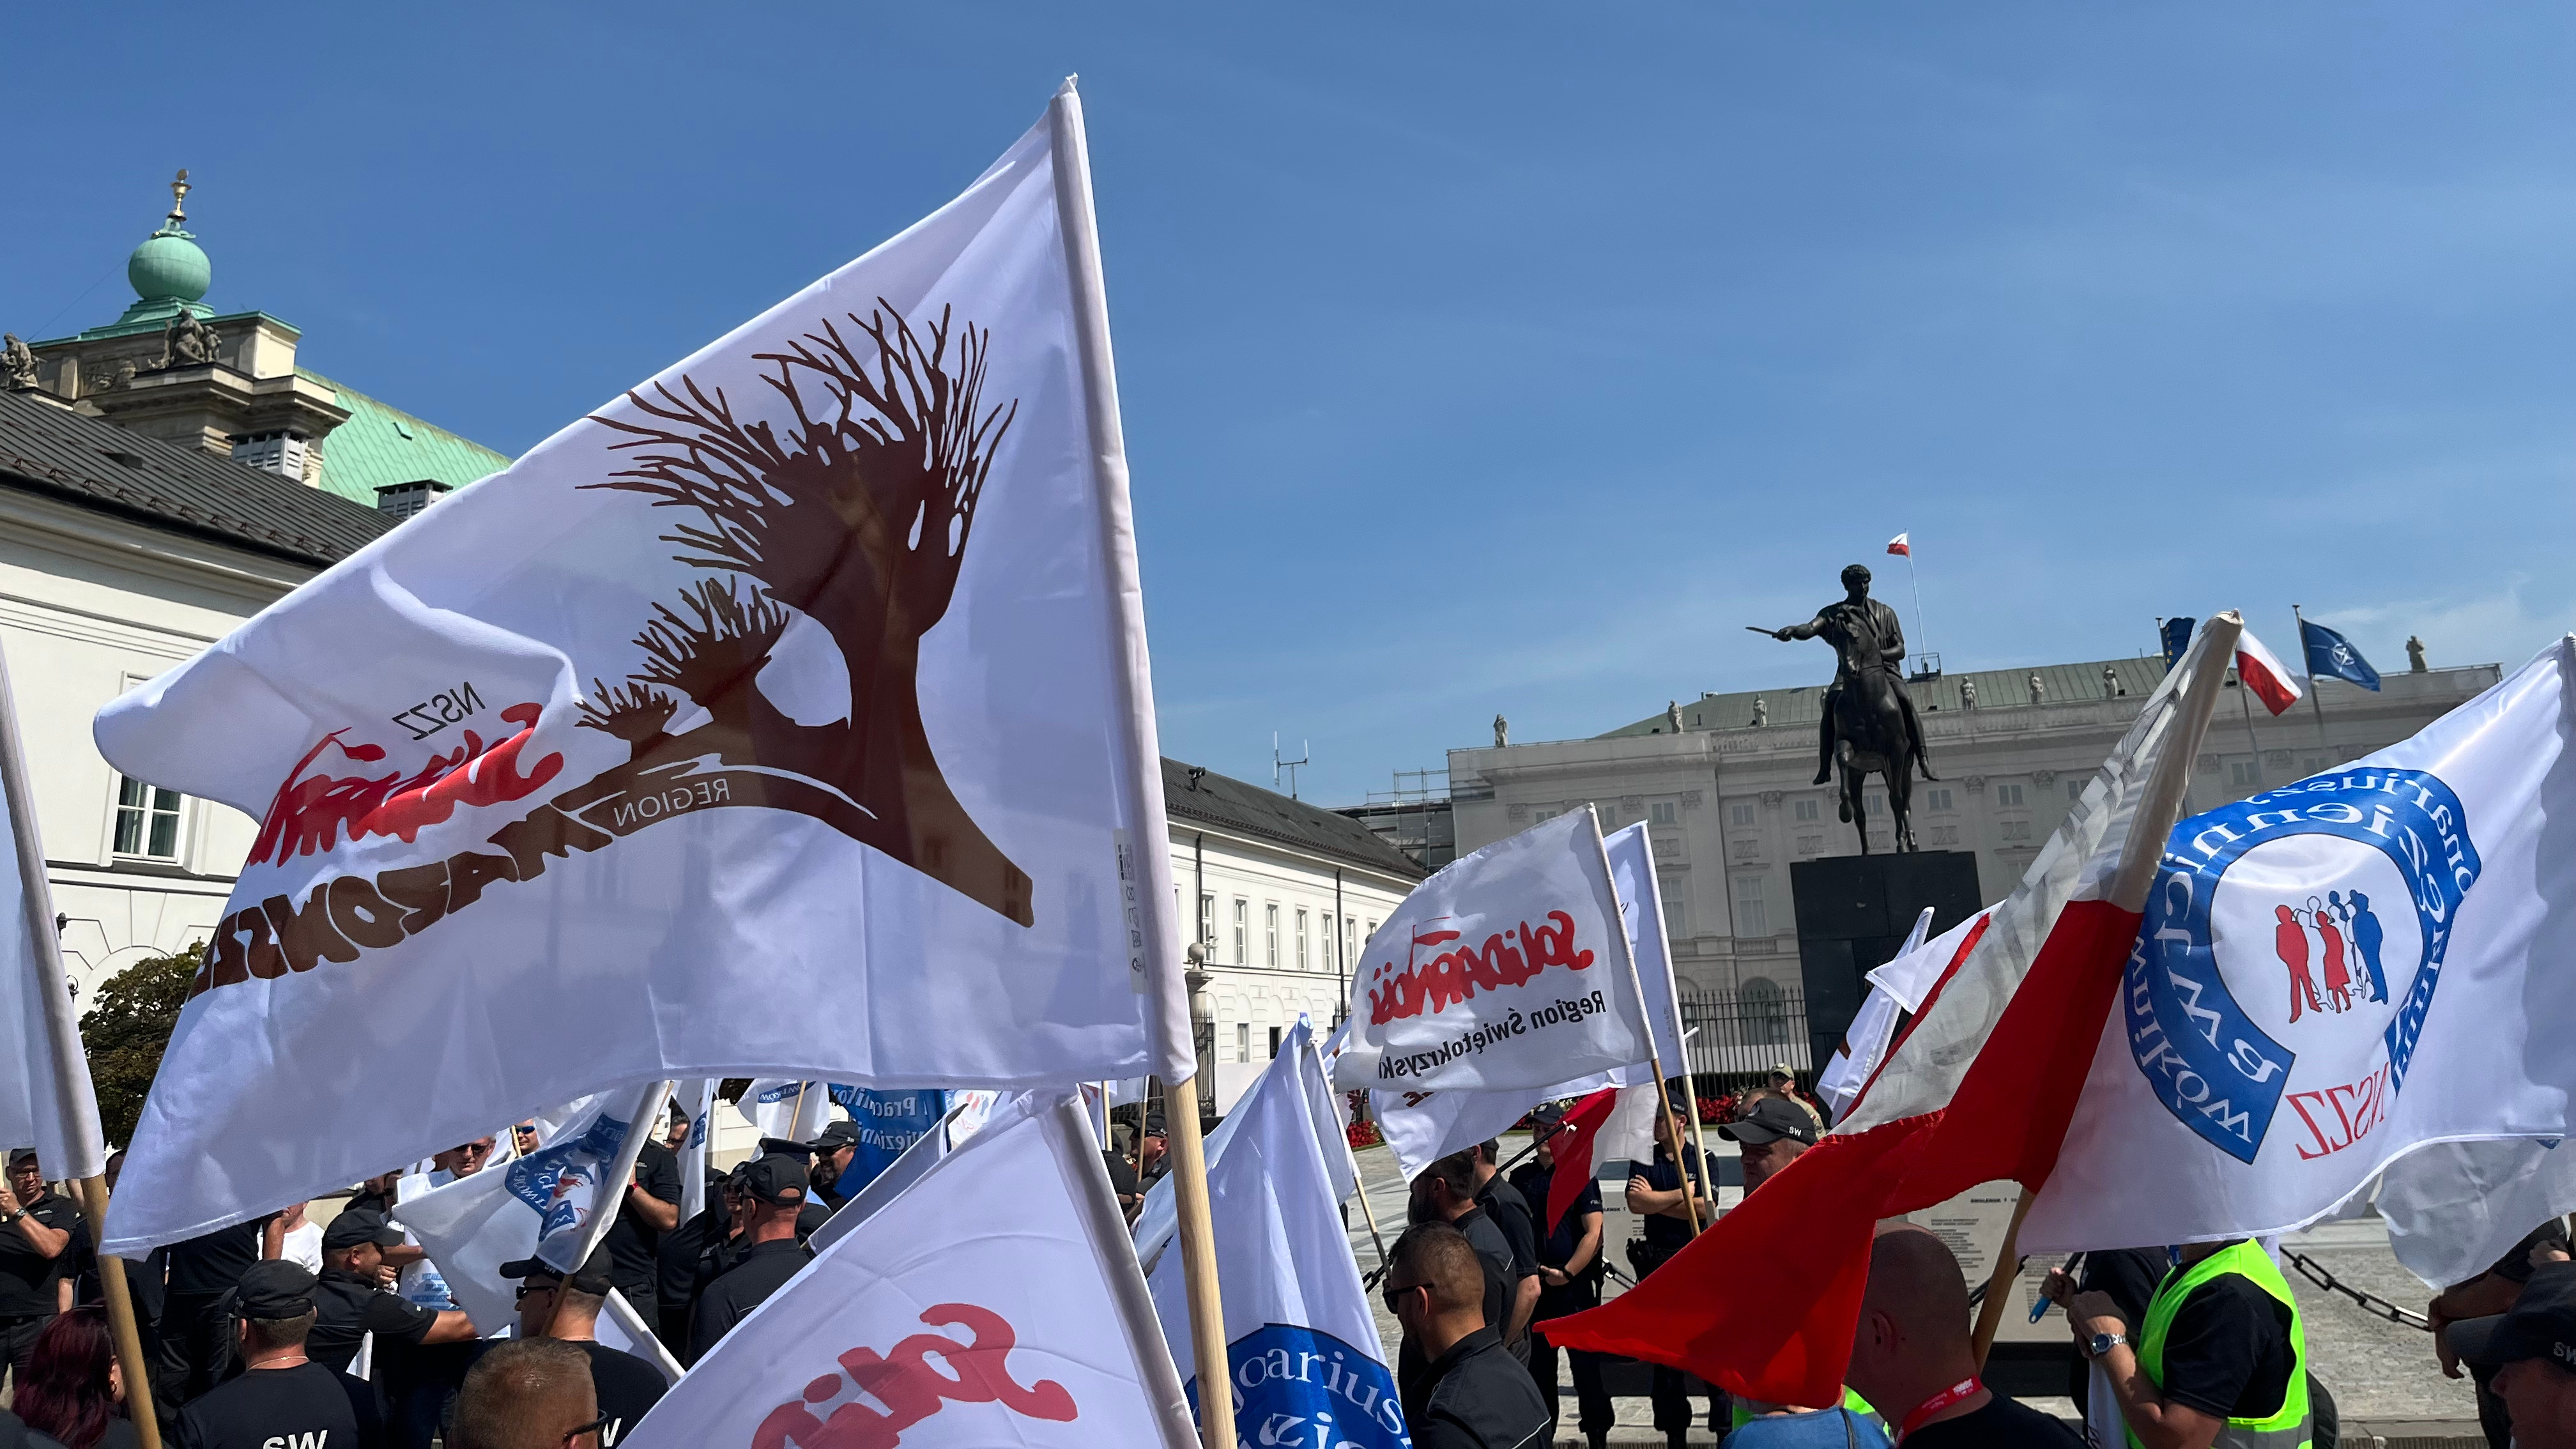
(993, 1301)
(1422, 1126)
(1302, 1345)
(787, 716)
(2364, 971)
(1508, 968)
(547, 1204)
(1977, 1088)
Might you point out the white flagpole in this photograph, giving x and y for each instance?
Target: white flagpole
(83, 1158)
(1654, 1054)
(1153, 937)
(1922, 625)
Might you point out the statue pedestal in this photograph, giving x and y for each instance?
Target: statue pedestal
(1854, 912)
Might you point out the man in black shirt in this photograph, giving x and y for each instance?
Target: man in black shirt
(2128, 1277)
(1445, 1192)
(2530, 1354)
(1569, 1260)
(1472, 1394)
(773, 1193)
(832, 1153)
(1658, 1198)
(2490, 1293)
(2227, 1355)
(552, 1305)
(196, 1328)
(37, 1226)
(651, 1208)
(282, 1396)
(1511, 1212)
(1912, 1358)
(351, 1302)
(675, 1266)
(1153, 1151)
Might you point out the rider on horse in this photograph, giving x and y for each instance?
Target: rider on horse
(1859, 620)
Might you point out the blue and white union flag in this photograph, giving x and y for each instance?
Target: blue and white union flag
(2364, 972)
(1301, 1343)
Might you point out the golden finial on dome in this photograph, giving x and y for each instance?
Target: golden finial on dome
(179, 190)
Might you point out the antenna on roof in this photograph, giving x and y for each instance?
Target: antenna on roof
(1304, 752)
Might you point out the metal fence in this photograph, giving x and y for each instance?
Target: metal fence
(1740, 1033)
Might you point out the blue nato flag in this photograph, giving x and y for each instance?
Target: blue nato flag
(2329, 653)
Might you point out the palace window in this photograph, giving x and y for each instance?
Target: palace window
(1810, 810)
(1936, 800)
(1739, 815)
(2243, 774)
(1752, 918)
(1243, 1041)
(147, 820)
(1207, 919)
(1662, 812)
(1242, 931)
(1274, 1043)
(1301, 939)
(1270, 935)
(2007, 794)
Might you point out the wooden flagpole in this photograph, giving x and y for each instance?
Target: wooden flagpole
(2168, 790)
(1157, 945)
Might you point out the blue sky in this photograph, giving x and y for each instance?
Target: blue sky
(1494, 357)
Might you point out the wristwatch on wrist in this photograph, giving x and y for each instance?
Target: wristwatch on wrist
(2102, 1343)
(11, 1216)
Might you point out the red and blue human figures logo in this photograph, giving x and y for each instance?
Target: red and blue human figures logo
(2291, 950)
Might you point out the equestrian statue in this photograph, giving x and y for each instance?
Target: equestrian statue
(1869, 723)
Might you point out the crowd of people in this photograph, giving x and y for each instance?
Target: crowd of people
(344, 1333)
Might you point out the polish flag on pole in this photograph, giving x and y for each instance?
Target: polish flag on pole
(1980, 1088)
(1575, 1141)
(1899, 545)
(2263, 674)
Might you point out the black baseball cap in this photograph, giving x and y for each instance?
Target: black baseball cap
(1771, 1119)
(1546, 1114)
(21, 1154)
(776, 1180)
(836, 1135)
(360, 1225)
(590, 1278)
(1154, 1125)
(277, 1288)
(786, 1147)
(2541, 1325)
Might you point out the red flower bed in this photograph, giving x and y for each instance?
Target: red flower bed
(1364, 1134)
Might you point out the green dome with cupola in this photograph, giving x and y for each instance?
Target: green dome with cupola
(169, 270)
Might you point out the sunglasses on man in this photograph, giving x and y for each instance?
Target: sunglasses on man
(593, 1427)
(1394, 1295)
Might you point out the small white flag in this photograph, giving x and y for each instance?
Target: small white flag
(1158, 1222)
(1509, 968)
(45, 1099)
(1301, 1342)
(995, 1301)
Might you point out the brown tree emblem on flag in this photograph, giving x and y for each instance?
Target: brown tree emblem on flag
(854, 515)
(857, 517)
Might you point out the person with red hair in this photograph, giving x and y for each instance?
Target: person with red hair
(73, 1389)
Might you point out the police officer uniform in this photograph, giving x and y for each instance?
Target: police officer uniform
(762, 1268)
(27, 1277)
(299, 1403)
(632, 1243)
(352, 1306)
(1663, 1237)
(1582, 1289)
(1479, 1398)
(627, 1385)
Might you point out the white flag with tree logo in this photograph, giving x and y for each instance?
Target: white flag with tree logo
(788, 715)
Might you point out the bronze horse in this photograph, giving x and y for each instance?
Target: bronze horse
(1870, 737)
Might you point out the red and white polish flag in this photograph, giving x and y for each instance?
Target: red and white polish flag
(1979, 1088)
(1898, 545)
(2263, 674)
(994, 1301)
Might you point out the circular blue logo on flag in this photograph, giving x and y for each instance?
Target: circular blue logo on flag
(2291, 949)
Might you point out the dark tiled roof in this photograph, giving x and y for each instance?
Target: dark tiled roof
(96, 464)
(1221, 803)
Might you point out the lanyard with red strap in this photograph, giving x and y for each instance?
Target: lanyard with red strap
(1935, 1404)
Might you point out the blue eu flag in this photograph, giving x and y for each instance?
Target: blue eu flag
(2177, 638)
(2331, 654)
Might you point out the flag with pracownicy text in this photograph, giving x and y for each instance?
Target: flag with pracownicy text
(2363, 970)
(1506, 969)
(788, 715)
